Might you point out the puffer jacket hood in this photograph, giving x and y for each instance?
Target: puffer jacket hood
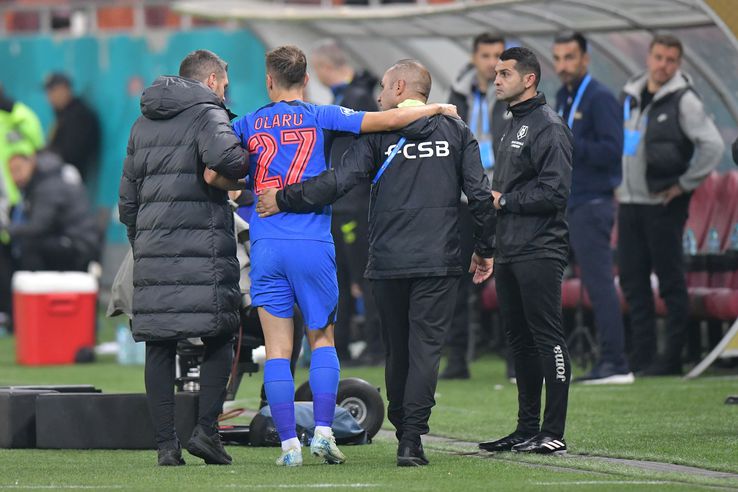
(365, 80)
(168, 96)
(465, 81)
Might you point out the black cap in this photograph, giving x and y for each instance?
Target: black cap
(57, 78)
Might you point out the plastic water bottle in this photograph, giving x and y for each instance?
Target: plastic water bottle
(124, 339)
(713, 241)
(689, 243)
(733, 246)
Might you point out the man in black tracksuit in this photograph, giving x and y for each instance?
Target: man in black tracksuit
(353, 90)
(531, 189)
(414, 257)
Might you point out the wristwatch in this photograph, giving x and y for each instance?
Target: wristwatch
(502, 201)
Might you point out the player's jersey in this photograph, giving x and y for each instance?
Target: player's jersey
(287, 144)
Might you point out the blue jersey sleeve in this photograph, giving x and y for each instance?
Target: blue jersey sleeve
(338, 118)
(241, 129)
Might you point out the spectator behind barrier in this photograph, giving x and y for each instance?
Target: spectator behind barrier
(52, 227)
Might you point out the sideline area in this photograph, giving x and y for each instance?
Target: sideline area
(660, 420)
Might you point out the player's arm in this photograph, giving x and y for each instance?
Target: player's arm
(217, 181)
(394, 119)
(312, 195)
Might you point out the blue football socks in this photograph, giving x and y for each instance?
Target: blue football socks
(324, 375)
(280, 391)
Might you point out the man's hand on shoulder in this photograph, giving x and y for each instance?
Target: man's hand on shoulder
(482, 268)
(266, 205)
(448, 110)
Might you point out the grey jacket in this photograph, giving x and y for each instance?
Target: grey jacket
(695, 123)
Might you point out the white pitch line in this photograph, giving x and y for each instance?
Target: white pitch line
(307, 486)
(607, 482)
(56, 487)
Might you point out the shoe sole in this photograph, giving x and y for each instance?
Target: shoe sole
(411, 462)
(204, 455)
(328, 458)
(614, 379)
(555, 453)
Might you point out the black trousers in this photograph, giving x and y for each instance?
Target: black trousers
(52, 253)
(159, 377)
(415, 315)
(590, 228)
(350, 236)
(650, 239)
(529, 294)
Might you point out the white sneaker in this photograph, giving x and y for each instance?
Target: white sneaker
(611, 379)
(325, 447)
(291, 457)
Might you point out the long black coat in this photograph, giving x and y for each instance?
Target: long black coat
(185, 273)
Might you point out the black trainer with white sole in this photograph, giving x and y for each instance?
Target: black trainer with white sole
(504, 444)
(541, 444)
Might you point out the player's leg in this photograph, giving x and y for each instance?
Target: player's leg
(316, 289)
(273, 295)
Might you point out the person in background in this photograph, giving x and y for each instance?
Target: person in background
(52, 227)
(595, 119)
(474, 96)
(75, 134)
(353, 90)
(18, 124)
(670, 147)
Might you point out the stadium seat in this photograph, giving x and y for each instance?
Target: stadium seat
(701, 207)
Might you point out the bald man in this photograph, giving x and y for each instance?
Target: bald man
(418, 174)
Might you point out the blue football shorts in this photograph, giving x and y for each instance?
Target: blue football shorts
(285, 272)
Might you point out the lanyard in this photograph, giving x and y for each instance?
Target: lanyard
(387, 161)
(577, 99)
(626, 108)
(480, 103)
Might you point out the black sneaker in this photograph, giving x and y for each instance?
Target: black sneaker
(209, 448)
(456, 368)
(506, 443)
(171, 457)
(411, 454)
(541, 444)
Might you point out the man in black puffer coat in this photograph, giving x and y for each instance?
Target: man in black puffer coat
(185, 273)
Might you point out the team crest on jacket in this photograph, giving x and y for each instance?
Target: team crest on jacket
(522, 132)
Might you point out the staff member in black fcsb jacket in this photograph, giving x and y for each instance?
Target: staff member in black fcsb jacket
(414, 257)
(530, 190)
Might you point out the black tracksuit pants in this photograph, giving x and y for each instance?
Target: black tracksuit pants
(415, 316)
(650, 239)
(529, 294)
(159, 377)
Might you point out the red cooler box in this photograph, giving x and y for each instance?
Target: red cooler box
(53, 315)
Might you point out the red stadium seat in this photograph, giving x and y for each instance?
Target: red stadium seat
(723, 214)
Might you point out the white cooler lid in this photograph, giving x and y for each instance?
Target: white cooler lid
(53, 282)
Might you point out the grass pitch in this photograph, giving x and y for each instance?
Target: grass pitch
(659, 419)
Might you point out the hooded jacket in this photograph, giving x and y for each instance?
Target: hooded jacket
(185, 273)
(18, 123)
(359, 96)
(55, 205)
(414, 206)
(694, 123)
(533, 173)
(462, 96)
